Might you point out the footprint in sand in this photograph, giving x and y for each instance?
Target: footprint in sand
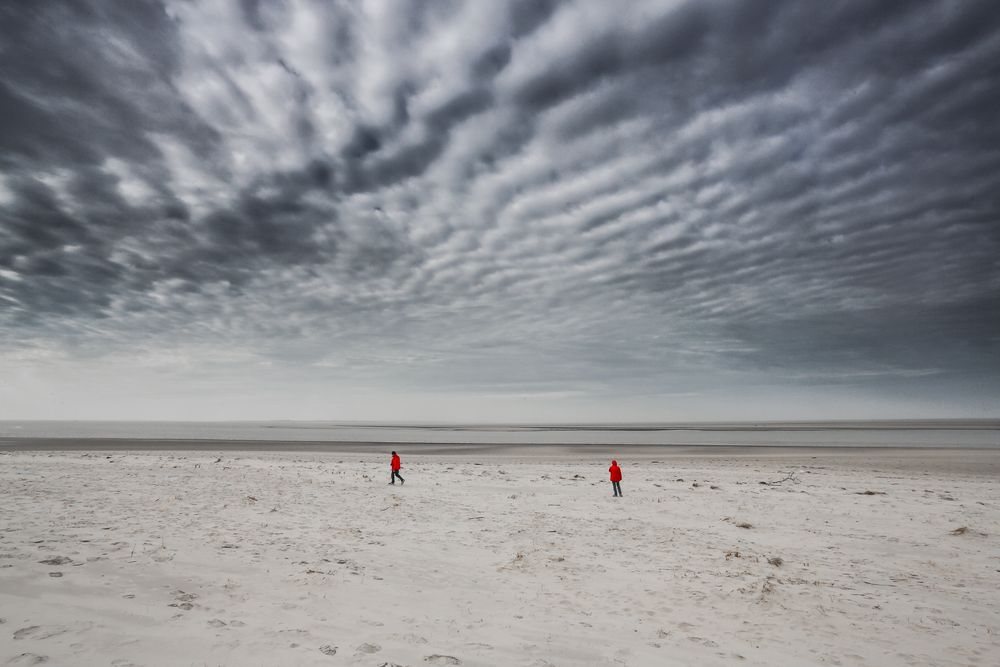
(327, 649)
(369, 648)
(438, 659)
(701, 640)
(183, 600)
(27, 659)
(181, 596)
(56, 560)
(38, 632)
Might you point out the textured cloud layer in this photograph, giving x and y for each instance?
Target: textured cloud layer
(553, 199)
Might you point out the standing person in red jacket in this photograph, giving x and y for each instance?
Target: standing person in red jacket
(616, 478)
(395, 470)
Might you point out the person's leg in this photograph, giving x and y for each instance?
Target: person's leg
(619, 485)
(392, 476)
(614, 488)
(401, 480)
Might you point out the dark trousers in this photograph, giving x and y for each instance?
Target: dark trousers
(395, 474)
(617, 486)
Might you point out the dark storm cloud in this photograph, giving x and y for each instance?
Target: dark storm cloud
(82, 82)
(601, 193)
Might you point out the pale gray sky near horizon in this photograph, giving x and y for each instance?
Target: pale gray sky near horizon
(499, 211)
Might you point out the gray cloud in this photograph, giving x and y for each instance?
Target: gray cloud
(565, 198)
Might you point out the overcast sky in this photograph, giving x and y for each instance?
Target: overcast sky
(521, 211)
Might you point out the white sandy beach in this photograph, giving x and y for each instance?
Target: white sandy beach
(172, 558)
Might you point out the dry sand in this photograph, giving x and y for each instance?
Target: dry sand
(521, 558)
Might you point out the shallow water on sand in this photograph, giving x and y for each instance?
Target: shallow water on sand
(792, 434)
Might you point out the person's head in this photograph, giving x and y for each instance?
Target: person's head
(394, 453)
(613, 462)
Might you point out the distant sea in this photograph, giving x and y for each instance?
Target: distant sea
(942, 433)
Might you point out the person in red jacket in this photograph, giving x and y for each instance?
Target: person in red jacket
(395, 470)
(616, 478)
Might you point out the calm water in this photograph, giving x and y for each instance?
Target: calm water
(815, 434)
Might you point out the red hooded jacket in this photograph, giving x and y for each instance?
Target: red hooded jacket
(616, 472)
(395, 461)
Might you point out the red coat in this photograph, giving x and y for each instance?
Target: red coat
(395, 462)
(616, 472)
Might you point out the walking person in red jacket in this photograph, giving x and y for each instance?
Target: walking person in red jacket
(616, 478)
(395, 470)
